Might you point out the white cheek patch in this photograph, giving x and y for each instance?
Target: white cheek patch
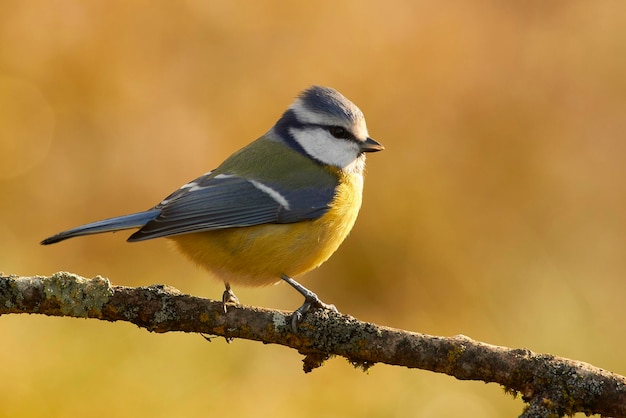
(319, 144)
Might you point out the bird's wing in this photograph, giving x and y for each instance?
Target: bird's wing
(228, 201)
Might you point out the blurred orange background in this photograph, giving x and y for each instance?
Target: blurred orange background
(496, 211)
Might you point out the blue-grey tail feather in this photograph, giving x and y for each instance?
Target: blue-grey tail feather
(135, 220)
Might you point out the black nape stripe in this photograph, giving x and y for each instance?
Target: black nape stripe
(287, 121)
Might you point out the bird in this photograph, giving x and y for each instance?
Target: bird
(274, 210)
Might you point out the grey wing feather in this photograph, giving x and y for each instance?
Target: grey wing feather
(220, 202)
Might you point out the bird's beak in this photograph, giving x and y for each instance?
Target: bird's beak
(371, 145)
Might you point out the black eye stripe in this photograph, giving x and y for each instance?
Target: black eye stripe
(340, 132)
(336, 131)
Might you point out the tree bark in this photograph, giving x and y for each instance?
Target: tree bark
(552, 386)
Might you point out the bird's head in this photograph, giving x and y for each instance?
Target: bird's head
(328, 128)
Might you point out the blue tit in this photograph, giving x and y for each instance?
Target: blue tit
(273, 210)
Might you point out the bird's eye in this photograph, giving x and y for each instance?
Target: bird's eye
(339, 132)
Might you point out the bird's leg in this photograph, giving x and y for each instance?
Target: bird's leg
(310, 300)
(228, 297)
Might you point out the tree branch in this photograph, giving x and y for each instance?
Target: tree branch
(550, 385)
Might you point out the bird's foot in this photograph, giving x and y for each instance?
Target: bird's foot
(229, 298)
(311, 300)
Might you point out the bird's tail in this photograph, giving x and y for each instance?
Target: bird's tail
(135, 220)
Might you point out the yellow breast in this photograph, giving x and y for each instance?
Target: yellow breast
(259, 255)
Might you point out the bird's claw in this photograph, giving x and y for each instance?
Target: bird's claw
(229, 298)
(312, 302)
